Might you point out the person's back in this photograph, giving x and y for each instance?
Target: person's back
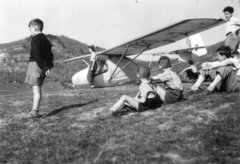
(41, 51)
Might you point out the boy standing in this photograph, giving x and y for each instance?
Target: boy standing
(40, 63)
(173, 86)
(232, 29)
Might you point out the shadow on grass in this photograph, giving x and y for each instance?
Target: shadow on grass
(56, 111)
(127, 109)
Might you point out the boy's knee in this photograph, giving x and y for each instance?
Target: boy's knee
(124, 97)
(224, 71)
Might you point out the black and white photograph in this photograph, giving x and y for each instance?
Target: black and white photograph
(119, 82)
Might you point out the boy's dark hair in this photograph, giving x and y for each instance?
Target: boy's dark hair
(143, 72)
(37, 23)
(190, 62)
(228, 9)
(224, 51)
(92, 48)
(164, 62)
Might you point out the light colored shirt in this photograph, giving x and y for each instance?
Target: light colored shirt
(232, 25)
(144, 89)
(171, 79)
(93, 56)
(236, 63)
(194, 68)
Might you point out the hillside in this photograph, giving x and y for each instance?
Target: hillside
(199, 130)
(14, 59)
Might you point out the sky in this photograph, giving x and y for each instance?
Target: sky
(108, 23)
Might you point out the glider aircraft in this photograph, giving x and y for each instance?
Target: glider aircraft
(123, 69)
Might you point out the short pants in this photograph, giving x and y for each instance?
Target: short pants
(172, 95)
(35, 75)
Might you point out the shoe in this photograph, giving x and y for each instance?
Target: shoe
(34, 114)
(92, 86)
(105, 115)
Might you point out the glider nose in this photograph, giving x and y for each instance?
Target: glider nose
(80, 77)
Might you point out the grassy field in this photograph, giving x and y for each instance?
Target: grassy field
(197, 130)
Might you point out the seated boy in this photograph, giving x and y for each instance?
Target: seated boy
(144, 100)
(173, 86)
(191, 71)
(224, 73)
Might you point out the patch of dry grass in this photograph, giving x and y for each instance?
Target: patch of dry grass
(197, 130)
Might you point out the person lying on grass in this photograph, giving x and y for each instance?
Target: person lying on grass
(144, 100)
(173, 90)
(225, 73)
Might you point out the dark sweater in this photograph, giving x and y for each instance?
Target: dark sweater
(41, 51)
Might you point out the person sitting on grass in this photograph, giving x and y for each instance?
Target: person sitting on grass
(225, 73)
(192, 71)
(173, 90)
(144, 100)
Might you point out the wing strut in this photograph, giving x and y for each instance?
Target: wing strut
(119, 61)
(131, 61)
(151, 61)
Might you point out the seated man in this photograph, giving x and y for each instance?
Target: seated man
(224, 74)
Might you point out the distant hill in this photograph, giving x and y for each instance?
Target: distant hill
(63, 47)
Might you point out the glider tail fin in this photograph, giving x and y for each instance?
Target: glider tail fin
(193, 42)
(196, 41)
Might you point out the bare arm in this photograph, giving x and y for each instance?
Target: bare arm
(185, 70)
(222, 64)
